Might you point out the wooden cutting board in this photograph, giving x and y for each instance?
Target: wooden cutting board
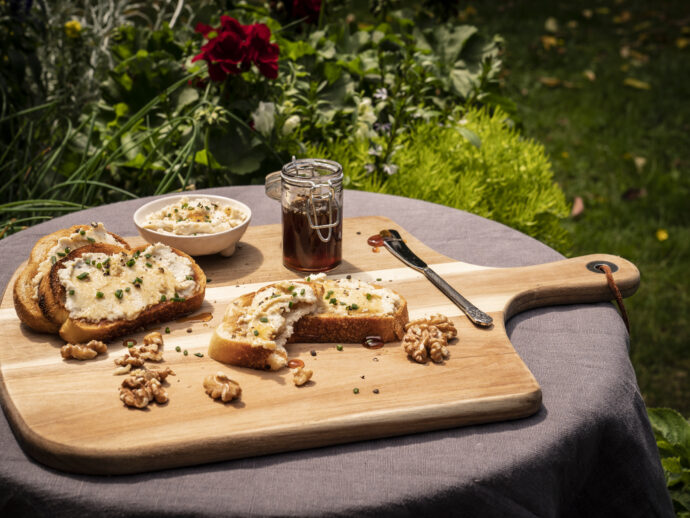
(67, 414)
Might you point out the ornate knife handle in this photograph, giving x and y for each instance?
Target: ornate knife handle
(475, 314)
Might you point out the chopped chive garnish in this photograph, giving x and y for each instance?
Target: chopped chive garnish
(294, 293)
(118, 294)
(353, 307)
(301, 291)
(148, 256)
(274, 296)
(53, 259)
(342, 303)
(190, 277)
(328, 295)
(87, 261)
(256, 333)
(184, 205)
(82, 232)
(264, 319)
(178, 348)
(290, 288)
(71, 292)
(355, 390)
(137, 254)
(178, 299)
(208, 280)
(61, 254)
(67, 250)
(200, 355)
(167, 330)
(333, 301)
(308, 279)
(127, 289)
(82, 276)
(91, 240)
(368, 296)
(339, 347)
(149, 265)
(290, 304)
(163, 298)
(137, 280)
(185, 352)
(131, 262)
(130, 343)
(99, 294)
(378, 278)
(99, 265)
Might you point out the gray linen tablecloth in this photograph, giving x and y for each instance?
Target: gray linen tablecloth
(588, 452)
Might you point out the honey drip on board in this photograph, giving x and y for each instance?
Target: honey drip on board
(373, 342)
(295, 363)
(375, 240)
(199, 317)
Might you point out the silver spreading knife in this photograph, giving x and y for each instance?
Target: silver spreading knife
(395, 245)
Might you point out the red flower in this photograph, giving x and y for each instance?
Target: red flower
(233, 47)
(306, 8)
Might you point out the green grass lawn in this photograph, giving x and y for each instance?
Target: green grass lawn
(606, 87)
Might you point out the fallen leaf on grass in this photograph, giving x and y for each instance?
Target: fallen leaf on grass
(548, 42)
(589, 74)
(624, 17)
(551, 24)
(662, 234)
(634, 193)
(578, 207)
(636, 83)
(551, 82)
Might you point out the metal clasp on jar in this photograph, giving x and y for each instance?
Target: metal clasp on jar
(333, 206)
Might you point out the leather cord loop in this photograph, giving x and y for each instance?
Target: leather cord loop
(616, 293)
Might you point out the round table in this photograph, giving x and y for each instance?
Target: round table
(589, 451)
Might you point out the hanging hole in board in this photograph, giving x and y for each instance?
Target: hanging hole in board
(594, 266)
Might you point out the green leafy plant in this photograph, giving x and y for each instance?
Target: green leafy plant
(672, 433)
(478, 163)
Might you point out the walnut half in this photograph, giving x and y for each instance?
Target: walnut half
(428, 338)
(300, 376)
(83, 351)
(219, 386)
(144, 386)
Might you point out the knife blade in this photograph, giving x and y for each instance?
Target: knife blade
(395, 245)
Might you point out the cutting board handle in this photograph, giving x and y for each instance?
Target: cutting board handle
(570, 281)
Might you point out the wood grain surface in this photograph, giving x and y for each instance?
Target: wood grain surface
(67, 414)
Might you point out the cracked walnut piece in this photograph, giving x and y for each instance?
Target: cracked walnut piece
(428, 337)
(144, 386)
(300, 376)
(83, 351)
(219, 386)
(151, 349)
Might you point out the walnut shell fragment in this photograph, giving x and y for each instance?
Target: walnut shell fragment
(83, 351)
(219, 386)
(428, 338)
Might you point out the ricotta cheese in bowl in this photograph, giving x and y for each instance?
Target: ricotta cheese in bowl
(191, 217)
(198, 224)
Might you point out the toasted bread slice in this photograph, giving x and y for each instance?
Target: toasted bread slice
(344, 311)
(257, 325)
(351, 310)
(102, 291)
(45, 252)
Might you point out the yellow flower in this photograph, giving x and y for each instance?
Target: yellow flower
(72, 29)
(661, 234)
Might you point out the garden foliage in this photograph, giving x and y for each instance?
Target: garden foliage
(672, 432)
(222, 98)
(479, 163)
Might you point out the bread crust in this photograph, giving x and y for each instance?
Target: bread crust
(52, 301)
(28, 309)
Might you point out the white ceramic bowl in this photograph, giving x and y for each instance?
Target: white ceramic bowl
(202, 244)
